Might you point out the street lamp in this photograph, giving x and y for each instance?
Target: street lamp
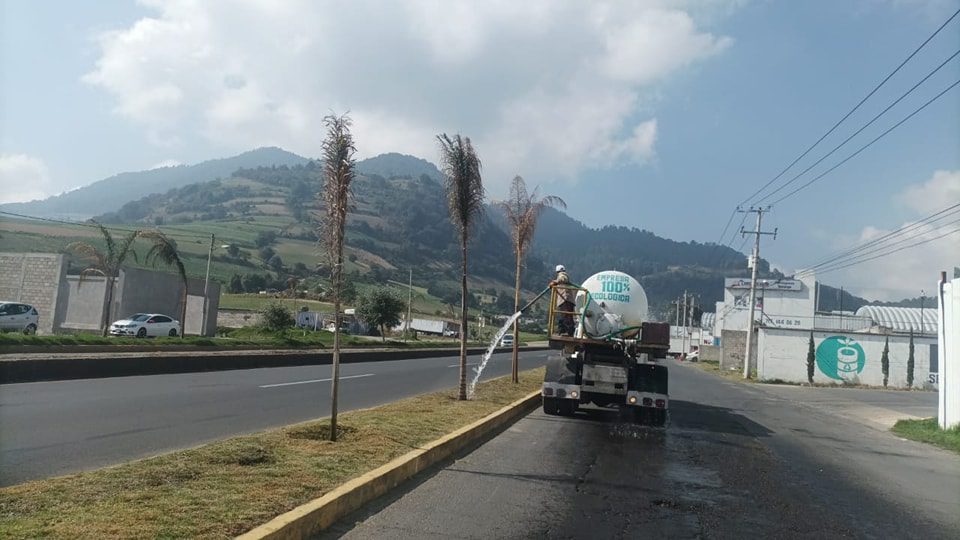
(206, 282)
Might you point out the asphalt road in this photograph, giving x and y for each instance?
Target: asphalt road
(736, 461)
(54, 428)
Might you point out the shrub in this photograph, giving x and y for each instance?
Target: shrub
(276, 317)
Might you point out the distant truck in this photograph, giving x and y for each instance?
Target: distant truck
(614, 357)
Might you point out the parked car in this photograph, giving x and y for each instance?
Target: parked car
(146, 325)
(18, 317)
(507, 340)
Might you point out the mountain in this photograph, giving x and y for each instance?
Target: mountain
(399, 221)
(111, 193)
(393, 165)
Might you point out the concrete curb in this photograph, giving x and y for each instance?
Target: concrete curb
(315, 516)
(21, 370)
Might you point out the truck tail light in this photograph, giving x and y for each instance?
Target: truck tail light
(632, 400)
(661, 403)
(647, 402)
(548, 391)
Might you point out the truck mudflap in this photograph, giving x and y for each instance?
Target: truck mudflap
(561, 391)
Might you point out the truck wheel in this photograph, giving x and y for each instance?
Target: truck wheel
(551, 406)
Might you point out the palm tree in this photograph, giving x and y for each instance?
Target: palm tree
(523, 210)
(105, 263)
(338, 151)
(165, 250)
(461, 167)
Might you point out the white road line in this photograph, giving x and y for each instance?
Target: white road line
(468, 363)
(315, 381)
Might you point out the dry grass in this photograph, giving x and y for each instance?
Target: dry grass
(222, 489)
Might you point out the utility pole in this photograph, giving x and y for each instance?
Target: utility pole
(677, 302)
(693, 314)
(683, 347)
(406, 330)
(922, 294)
(841, 307)
(754, 265)
(206, 289)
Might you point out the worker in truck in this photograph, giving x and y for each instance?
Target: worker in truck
(565, 302)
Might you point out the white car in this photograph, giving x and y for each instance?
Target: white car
(507, 340)
(18, 317)
(146, 325)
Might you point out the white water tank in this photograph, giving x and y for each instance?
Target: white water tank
(616, 301)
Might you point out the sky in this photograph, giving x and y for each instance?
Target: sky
(656, 114)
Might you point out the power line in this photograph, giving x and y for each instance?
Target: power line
(854, 109)
(859, 131)
(877, 249)
(869, 144)
(96, 226)
(847, 252)
(948, 233)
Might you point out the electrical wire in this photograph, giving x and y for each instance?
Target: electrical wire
(861, 261)
(852, 250)
(854, 109)
(868, 145)
(97, 226)
(859, 131)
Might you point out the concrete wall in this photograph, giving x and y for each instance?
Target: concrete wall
(783, 355)
(34, 278)
(161, 292)
(733, 345)
(232, 318)
(83, 302)
(948, 415)
(709, 353)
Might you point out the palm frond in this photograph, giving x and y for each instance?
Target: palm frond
(523, 209)
(111, 246)
(87, 272)
(83, 250)
(163, 249)
(461, 168)
(338, 173)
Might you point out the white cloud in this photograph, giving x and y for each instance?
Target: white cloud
(904, 273)
(166, 163)
(544, 88)
(23, 178)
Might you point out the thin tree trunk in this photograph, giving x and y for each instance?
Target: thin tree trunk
(335, 381)
(183, 310)
(463, 323)
(105, 318)
(383, 335)
(515, 363)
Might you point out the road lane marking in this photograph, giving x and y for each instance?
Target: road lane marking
(468, 363)
(315, 381)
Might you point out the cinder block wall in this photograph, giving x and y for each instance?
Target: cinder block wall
(33, 278)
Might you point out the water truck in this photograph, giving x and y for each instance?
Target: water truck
(613, 357)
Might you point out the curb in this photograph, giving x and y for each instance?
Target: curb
(25, 370)
(315, 516)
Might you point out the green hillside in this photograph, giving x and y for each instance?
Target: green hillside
(398, 222)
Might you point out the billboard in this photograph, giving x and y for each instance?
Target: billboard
(765, 284)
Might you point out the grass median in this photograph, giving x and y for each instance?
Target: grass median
(928, 431)
(225, 488)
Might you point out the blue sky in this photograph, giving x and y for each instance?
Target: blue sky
(660, 115)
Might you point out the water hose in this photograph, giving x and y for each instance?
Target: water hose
(535, 298)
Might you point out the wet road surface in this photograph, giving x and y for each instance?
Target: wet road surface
(736, 461)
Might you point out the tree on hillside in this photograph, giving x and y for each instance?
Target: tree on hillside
(523, 209)
(885, 361)
(165, 250)
(106, 263)
(338, 173)
(236, 284)
(461, 169)
(380, 308)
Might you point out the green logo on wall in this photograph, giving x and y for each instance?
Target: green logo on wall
(840, 357)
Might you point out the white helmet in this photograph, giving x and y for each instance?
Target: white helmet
(560, 268)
